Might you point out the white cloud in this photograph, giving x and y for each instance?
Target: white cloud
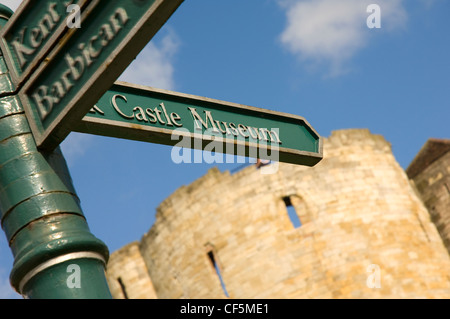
(154, 65)
(334, 31)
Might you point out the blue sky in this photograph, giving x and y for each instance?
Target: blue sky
(313, 58)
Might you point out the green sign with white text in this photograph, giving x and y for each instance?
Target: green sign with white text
(86, 63)
(165, 117)
(31, 33)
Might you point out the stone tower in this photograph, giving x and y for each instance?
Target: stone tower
(128, 277)
(350, 227)
(430, 171)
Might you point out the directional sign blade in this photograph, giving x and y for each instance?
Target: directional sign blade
(31, 32)
(86, 63)
(165, 117)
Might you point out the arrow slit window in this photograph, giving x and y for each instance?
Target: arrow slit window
(292, 211)
(122, 288)
(217, 268)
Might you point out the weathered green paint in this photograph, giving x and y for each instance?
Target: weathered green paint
(129, 111)
(31, 33)
(41, 215)
(87, 62)
(91, 287)
(6, 85)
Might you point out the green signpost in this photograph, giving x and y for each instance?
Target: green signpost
(31, 33)
(165, 117)
(86, 62)
(55, 79)
(39, 208)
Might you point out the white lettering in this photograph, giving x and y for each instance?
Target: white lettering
(214, 149)
(114, 103)
(208, 145)
(22, 50)
(259, 134)
(374, 279)
(197, 309)
(43, 101)
(74, 18)
(198, 120)
(374, 19)
(45, 98)
(37, 35)
(184, 146)
(74, 280)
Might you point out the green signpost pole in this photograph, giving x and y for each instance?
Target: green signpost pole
(49, 80)
(55, 254)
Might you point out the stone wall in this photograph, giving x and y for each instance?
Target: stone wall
(127, 274)
(364, 233)
(430, 172)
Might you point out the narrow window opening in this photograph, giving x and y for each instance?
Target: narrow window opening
(292, 213)
(122, 287)
(212, 259)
